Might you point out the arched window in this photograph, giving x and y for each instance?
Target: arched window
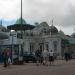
(44, 31)
(47, 46)
(31, 47)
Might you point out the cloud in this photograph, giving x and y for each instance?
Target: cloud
(63, 11)
(48, 9)
(70, 18)
(9, 8)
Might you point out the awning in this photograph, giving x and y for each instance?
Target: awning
(20, 27)
(3, 35)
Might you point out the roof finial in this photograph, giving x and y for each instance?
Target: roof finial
(52, 21)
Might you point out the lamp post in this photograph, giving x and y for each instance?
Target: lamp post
(21, 13)
(12, 43)
(20, 45)
(43, 39)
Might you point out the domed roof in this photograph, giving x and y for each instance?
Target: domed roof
(19, 21)
(44, 24)
(3, 35)
(53, 29)
(2, 28)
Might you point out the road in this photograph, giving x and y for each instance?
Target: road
(59, 68)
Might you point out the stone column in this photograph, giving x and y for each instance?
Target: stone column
(50, 45)
(59, 48)
(20, 55)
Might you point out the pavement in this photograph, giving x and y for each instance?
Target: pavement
(60, 67)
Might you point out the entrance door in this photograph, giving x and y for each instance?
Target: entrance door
(41, 46)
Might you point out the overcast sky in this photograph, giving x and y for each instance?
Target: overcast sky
(62, 11)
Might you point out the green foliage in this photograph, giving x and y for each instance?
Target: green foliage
(65, 41)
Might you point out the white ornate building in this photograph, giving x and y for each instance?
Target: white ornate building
(42, 36)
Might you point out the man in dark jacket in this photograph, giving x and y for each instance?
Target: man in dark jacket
(5, 58)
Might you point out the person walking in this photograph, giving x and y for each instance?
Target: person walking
(45, 57)
(41, 57)
(51, 57)
(9, 55)
(66, 56)
(37, 54)
(5, 58)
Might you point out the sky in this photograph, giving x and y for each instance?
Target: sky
(61, 11)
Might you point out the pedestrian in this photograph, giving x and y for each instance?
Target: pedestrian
(66, 55)
(51, 57)
(41, 57)
(8, 55)
(38, 56)
(45, 57)
(5, 58)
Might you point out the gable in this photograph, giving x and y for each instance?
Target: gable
(41, 28)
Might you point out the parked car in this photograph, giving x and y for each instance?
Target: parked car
(29, 57)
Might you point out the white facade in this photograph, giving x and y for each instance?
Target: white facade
(41, 37)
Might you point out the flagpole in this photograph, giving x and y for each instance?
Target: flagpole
(21, 12)
(20, 50)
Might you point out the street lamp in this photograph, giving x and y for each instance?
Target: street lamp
(20, 48)
(12, 43)
(21, 12)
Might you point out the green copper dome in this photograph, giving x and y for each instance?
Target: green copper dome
(19, 21)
